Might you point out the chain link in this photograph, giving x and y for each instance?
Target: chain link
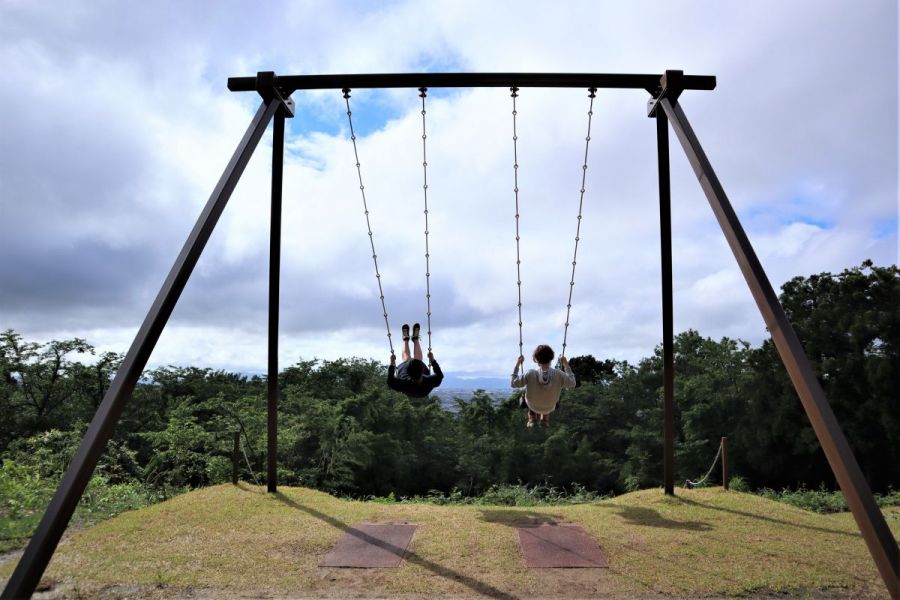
(587, 142)
(423, 91)
(362, 191)
(514, 93)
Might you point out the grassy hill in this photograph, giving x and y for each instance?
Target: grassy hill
(239, 541)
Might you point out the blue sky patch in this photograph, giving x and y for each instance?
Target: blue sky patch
(371, 108)
(803, 208)
(885, 229)
(799, 208)
(820, 222)
(371, 111)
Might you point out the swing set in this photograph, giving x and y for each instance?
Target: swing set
(514, 93)
(277, 106)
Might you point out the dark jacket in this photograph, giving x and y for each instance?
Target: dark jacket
(398, 379)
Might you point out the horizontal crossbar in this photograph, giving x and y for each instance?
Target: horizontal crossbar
(650, 82)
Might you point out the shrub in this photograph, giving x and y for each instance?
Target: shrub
(738, 484)
(510, 495)
(820, 501)
(25, 494)
(892, 498)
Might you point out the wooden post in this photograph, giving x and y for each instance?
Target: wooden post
(235, 454)
(725, 463)
(665, 231)
(274, 287)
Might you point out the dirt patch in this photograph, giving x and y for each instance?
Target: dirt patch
(347, 583)
(11, 556)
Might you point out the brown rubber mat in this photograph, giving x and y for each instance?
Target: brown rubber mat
(370, 545)
(546, 546)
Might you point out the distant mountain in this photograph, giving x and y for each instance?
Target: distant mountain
(476, 383)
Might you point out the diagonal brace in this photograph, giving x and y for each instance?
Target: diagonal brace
(43, 544)
(874, 529)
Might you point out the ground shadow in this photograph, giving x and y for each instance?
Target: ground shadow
(640, 515)
(633, 514)
(251, 488)
(768, 519)
(519, 518)
(440, 570)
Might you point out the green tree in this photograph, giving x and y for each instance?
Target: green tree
(712, 382)
(588, 369)
(39, 389)
(849, 326)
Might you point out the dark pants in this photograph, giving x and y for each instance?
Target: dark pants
(401, 371)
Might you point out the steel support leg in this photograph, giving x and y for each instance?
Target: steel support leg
(274, 283)
(875, 531)
(665, 228)
(56, 518)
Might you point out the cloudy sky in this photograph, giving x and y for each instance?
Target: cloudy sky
(115, 124)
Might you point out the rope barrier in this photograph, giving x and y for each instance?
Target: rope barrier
(362, 190)
(247, 460)
(691, 484)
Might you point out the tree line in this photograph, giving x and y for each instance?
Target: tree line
(342, 430)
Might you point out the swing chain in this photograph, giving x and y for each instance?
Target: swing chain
(362, 191)
(423, 91)
(587, 142)
(514, 93)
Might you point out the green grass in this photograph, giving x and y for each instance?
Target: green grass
(241, 541)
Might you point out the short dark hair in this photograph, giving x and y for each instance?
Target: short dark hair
(415, 368)
(544, 354)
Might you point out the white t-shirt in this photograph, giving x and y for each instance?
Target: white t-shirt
(542, 387)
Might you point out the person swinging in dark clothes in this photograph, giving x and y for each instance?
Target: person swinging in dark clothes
(411, 376)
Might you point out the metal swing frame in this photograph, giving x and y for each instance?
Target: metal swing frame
(277, 105)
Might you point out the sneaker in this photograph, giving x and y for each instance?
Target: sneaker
(415, 334)
(405, 330)
(529, 424)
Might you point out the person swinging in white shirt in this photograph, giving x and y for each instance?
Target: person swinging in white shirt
(542, 385)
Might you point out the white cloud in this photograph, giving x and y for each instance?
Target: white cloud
(117, 127)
